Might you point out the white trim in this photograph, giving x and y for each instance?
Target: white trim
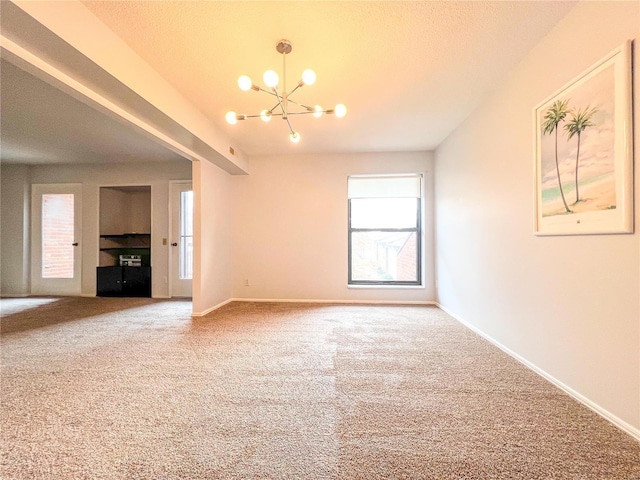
(209, 310)
(374, 286)
(294, 300)
(14, 295)
(621, 424)
(41, 285)
(174, 187)
(346, 302)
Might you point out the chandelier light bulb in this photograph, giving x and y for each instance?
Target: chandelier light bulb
(294, 137)
(265, 115)
(231, 118)
(309, 77)
(340, 110)
(318, 111)
(271, 79)
(244, 82)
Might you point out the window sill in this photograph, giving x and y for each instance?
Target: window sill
(402, 287)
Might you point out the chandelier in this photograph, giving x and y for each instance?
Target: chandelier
(283, 99)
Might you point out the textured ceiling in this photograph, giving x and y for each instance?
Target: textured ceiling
(409, 72)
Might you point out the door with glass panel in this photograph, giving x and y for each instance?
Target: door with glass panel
(56, 228)
(181, 239)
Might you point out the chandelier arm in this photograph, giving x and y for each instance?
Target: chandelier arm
(273, 108)
(289, 113)
(297, 87)
(289, 123)
(309, 113)
(260, 89)
(285, 95)
(260, 115)
(284, 111)
(302, 105)
(280, 103)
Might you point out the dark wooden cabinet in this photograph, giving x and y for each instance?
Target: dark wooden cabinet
(124, 281)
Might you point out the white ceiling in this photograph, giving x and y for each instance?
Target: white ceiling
(409, 72)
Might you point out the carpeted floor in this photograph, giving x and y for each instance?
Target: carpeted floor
(98, 388)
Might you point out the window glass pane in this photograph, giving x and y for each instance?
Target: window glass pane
(186, 235)
(384, 213)
(384, 256)
(57, 235)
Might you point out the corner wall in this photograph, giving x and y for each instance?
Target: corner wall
(212, 237)
(568, 305)
(290, 234)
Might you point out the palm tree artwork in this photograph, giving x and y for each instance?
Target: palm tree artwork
(580, 121)
(556, 114)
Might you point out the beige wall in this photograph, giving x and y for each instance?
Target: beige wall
(290, 231)
(136, 204)
(568, 305)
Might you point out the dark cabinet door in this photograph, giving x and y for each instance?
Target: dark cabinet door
(136, 281)
(124, 281)
(109, 281)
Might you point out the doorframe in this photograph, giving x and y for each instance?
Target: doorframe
(35, 274)
(97, 231)
(172, 186)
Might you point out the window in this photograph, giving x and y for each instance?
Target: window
(57, 235)
(186, 235)
(385, 230)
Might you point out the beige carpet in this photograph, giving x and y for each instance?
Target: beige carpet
(103, 388)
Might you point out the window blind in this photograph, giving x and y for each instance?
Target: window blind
(388, 186)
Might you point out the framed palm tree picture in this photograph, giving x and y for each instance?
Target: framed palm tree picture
(584, 152)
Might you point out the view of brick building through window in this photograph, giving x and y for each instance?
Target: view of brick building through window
(407, 259)
(385, 256)
(57, 235)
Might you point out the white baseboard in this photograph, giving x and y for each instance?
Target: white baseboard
(209, 310)
(291, 300)
(621, 424)
(14, 295)
(346, 302)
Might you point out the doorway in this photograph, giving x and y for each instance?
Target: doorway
(56, 226)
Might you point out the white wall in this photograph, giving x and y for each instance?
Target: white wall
(290, 233)
(568, 305)
(92, 177)
(212, 237)
(14, 232)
